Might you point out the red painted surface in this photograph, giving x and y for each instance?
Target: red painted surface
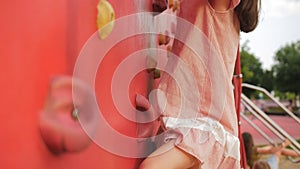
(286, 122)
(237, 82)
(40, 39)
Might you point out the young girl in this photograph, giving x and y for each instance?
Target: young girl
(207, 126)
(253, 152)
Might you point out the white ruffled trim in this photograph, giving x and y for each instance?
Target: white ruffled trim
(230, 142)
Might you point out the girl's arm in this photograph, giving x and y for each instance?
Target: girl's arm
(288, 152)
(269, 149)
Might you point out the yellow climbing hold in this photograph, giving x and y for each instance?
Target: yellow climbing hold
(105, 18)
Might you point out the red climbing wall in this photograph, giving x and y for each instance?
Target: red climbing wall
(41, 39)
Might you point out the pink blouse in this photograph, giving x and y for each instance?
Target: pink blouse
(197, 90)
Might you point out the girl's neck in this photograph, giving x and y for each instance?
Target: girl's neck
(220, 5)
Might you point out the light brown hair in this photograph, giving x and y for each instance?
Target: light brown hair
(250, 149)
(261, 165)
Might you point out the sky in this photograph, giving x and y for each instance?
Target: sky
(279, 25)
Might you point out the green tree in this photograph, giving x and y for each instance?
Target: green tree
(287, 68)
(251, 69)
(268, 80)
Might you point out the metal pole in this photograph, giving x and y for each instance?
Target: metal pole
(270, 140)
(274, 99)
(270, 123)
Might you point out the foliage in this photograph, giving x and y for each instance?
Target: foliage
(287, 68)
(283, 76)
(251, 69)
(251, 66)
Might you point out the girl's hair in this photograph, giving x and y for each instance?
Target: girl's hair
(250, 149)
(248, 12)
(261, 165)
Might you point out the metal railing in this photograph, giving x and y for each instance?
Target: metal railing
(266, 120)
(272, 98)
(269, 139)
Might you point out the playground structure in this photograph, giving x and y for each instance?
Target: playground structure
(41, 40)
(269, 123)
(40, 44)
